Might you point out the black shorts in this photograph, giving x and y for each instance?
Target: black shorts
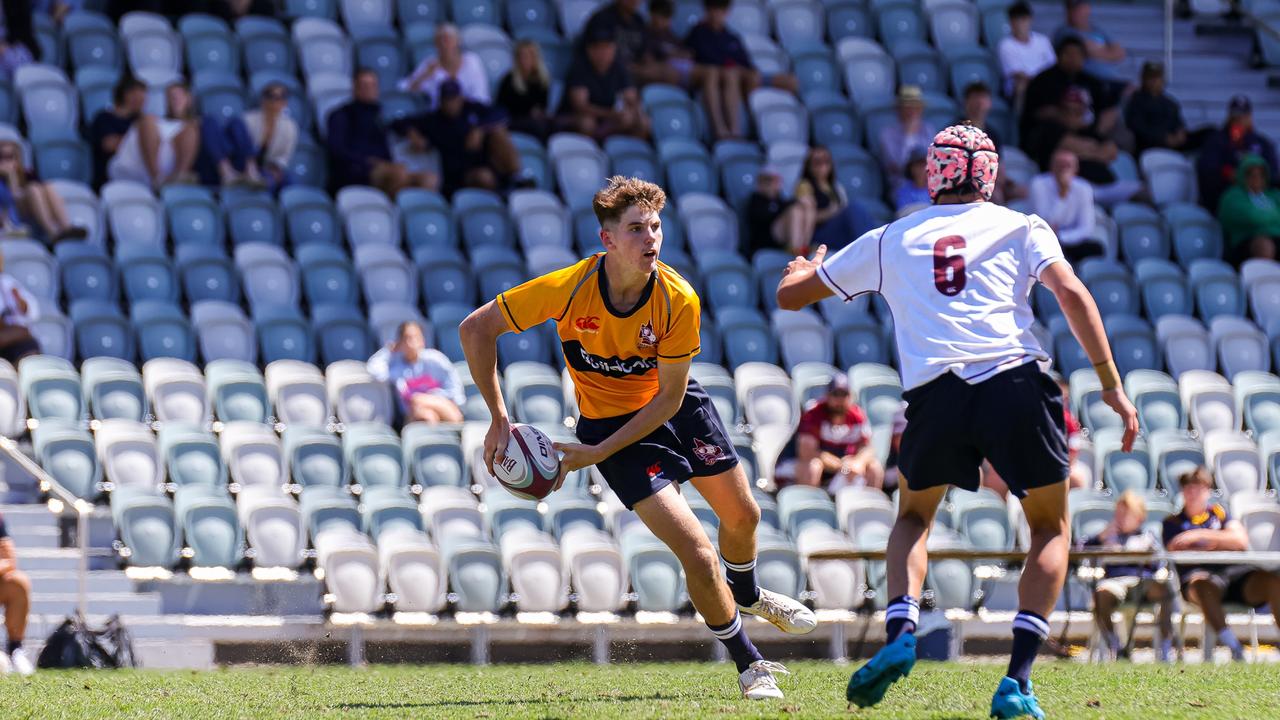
(1229, 578)
(1015, 420)
(15, 351)
(693, 443)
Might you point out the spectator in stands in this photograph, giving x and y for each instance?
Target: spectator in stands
(157, 151)
(450, 62)
(274, 134)
(20, 46)
(424, 379)
(37, 203)
(600, 98)
(1043, 99)
(1104, 54)
(622, 20)
(1224, 148)
(1069, 128)
(15, 598)
(774, 222)
(664, 57)
(56, 9)
(977, 108)
(906, 134)
(17, 310)
(913, 191)
(833, 443)
(524, 90)
(1205, 526)
(1154, 118)
(1024, 53)
(1250, 213)
(836, 221)
(359, 153)
(111, 124)
(1065, 201)
(472, 139)
(226, 153)
(1130, 583)
(724, 71)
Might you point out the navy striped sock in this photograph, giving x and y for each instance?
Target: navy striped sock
(13, 645)
(1029, 630)
(902, 617)
(735, 640)
(742, 581)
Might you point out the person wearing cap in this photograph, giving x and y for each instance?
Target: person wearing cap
(600, 97)
(1250, 213)
(1065, 201)
(907, 133)
(359, 151)
(1154, 118)
(1224, 148)
(472, 139)
(1104, 54)
(274, 134)
(1071, 128)
(449, 62)
(773, 221)
(1024, 53)
(1043, 99)
(833, 442)
(913, 191)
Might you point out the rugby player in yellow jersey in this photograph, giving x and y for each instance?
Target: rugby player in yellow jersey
(628, 325)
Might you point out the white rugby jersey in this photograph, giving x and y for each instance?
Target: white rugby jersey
(957, 278)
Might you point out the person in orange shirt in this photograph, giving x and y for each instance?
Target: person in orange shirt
(628, 326)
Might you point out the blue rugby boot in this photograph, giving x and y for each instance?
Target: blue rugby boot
(1011, 702)
(868, 685)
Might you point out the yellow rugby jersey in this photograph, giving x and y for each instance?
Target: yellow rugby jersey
(612, 356)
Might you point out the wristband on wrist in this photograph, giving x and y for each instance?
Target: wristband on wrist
(1108, 374)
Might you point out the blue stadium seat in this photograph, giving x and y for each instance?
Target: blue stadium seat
(206, 273)
(373, 455)
(237, 390)
(803, 337)
(768, 266)
(283, 334)
(63, 157)
(313, 457)
(1217, 289)
(1164, 288)
(311, 8)
(969, 65)
(380, 50)
(193, 215)
(848, 18)
(815, 68)
(326, 274)
(798, 22)
(503, 269)
(67, 453)
(466, 12)
(446, 277)
(223, 332)
(253, 217)
(712, 347)
(191, 456)
(427, 218)
(86, 272)
(322, 47)
(209, 43)
(1155, 395)
(729, 281)
(386, 275)
(310, 167)
(539, 218)
(151, 44)
(749, 17)
(833, 121)
(530, 14)
(146, 274)
(532, 345)
(1133, 343)
(310, 216)
(707, 218)
(1142, 234)
(953, 24)
(671, 111)
(265, 44)
(778, 116)
(430, 12)
(860, 340)
(210, 527)
(1196, 234)
(857, 171)
(48, 99)
(343, 333)
(268, 274)
(899, 20)
(738, 170)
(51, 387)
(163, 331)
(995, 26)
(1111, 286)
(113, 389)
(147, 527)
(360, 15)
(219, 94)
(94, 85)
(747, 336)
(91, 40)
(920, 65)
(482, 218)
(870, 75)
(633, 158)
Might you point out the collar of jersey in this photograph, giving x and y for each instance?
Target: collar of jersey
(604, 292)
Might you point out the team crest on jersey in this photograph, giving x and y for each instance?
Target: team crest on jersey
(587, 324)
(708, 453)
(647, 337)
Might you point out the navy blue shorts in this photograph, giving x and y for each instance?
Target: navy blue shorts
(693, 443)
(1015, 419)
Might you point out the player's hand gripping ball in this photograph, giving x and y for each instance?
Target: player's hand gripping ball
(531, 466)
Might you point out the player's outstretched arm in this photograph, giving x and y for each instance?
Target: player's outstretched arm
(800, 285)
(479, 334)
(1086, 324)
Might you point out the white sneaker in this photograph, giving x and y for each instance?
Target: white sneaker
(758, 683)
(21, 663)
(5, 667)
(786, 614)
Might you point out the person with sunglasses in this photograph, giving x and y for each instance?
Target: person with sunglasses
(274, 134)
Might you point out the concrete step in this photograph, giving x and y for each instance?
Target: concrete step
(100, 581)
(28, 515)
(35, 537)
(36, 559)
(60, 604)
(158, 628)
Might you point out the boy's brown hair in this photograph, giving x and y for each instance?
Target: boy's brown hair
(623, 192)
(1199, 476)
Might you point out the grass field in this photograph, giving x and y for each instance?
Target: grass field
(651, 691)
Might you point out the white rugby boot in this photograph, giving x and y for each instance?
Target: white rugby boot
(789, 616)
(758, 683)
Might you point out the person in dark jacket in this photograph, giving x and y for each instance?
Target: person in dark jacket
(20, 46)
(1250, 213)
(524, 90)
(1223, 149)
(1044, 93)
(472, 139)
(1154, 118)
(359, 151)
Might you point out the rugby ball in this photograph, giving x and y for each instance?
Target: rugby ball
(531, 466)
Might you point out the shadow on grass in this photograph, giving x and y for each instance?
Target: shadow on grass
(484, 703)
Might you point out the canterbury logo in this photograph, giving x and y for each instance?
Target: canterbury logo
(588, 324)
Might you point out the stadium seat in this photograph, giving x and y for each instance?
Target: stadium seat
(1133, 343)
(1185, 342)
(326, 274)
(1209, 401)
(147, 274)
(66, 452)
(764, 394)
(1163, 287)
(1239, 346)
(848, 18)
(91, 40)
(150, 44)
(163, 331)
(1111, 286)
(30, 263)
(134, 215)
(433, 456)
(747, 337)
(953, 24)
(100, 330)
(982, 519)
(129, 455)
(869, 76)
(253, 455)
(176, 390)
(224, 332)
(252, 217)
(369, 216)
(113, 389)
(85, 272)
(534, 344)
(342, 332)
(803, 337)
(867, 515)
(969, 65)
(1155, 395)
(210, 526)
(482, 218)
(476, 571)
(48, 386)
(54, 333)
(1121, 470)
(1196, 234)
(1233, 458)
(237, 391)
(283, 334)
(413, 566)
(534, 393)
(192, 456)
(899, 21)
(62, 157)
(193, 216)
(709, 219)
(778, 115)
(313, 457)
(1170, 176)
(273, 527)
(688, 168)
(1258, 397)
(265, 45)
(860, 340)
(1142, 233)
(655, 572)
(322, 47)
(445, 277)
(206, 273)
(48, 99)
(386, 275)
(147, 528)
(427, 219)
(310, 216)
(355, 396)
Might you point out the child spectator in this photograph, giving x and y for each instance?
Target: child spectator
(1250, 213)
(359, 153)
(274, 135)
(475, 148)
(600, 98)
(524, 90)
(1065, 201)
(425, 381)
(450, 62)
(913, 192)
(1024, 53)
(111, 124)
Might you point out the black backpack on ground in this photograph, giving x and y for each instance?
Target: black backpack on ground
(76, 645)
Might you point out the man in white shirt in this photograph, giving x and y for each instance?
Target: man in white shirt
(961, 272)
(1065, 201)
(450, 62)
(1025, 52)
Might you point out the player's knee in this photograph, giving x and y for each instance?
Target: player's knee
(701, 561)
(15, 584)
(742, 519)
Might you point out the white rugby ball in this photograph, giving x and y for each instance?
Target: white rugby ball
(531, 465)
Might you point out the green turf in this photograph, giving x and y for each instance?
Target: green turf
(673, 690)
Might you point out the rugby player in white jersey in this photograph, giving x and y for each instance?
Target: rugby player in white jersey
(957, 277)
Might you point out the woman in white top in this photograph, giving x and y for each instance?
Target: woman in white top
(1065, 201)
(160, 150)
(274, 133)
(451, 61)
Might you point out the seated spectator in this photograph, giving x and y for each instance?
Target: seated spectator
(17, 311)
(836, 221)
(724, 71)
(913, 192)
(906, 134)
(274, 134)
(1203, 525)
(1024, 53)
(833, 443)
(1065, 201)
(472, 139)
(664, 58)
(1130, 583)
(600, 98)
(1154, 118)
(1223, 150)
(225, 153)
(1043, 97)
(774, 222)
(20, 46)
(1250, 213)
(621, 19)
(111, 124)
(424, 379)
(37, 203)
(1068, 128)
(15, 598)
(359, 153)
(157, 151)
(1104, 54)
(450, 62)
(524, 90)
